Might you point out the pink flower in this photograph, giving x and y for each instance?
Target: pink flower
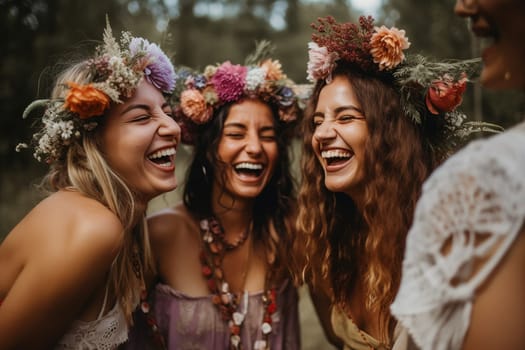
(194, 106)
(320, 62)
(445, 95)
(229, 81)
(387, 47)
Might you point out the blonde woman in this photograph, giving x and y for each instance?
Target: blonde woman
(71, 270)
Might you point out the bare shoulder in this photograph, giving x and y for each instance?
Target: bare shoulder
(74, 224)
(172, 223)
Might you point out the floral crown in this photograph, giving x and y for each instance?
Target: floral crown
(114, 71)
(426, 88)
(199, 94)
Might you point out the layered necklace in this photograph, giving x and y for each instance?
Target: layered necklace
(227, 302)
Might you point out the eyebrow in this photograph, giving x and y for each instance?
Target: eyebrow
(242, 126)
(340, 109)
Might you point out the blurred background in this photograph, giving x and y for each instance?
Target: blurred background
(41, 35)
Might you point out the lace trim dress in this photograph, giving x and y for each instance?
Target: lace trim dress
(193, 323)
(471, 211)
(107, 332)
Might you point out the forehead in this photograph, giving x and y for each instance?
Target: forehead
(338, 92)
(250, 112)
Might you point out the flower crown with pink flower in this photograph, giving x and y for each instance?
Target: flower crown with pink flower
(427, 89)
(200, 94)
(114, 71)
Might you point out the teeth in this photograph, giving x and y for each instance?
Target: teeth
(251, 166)
(163, 153)
(165, 165)
(335, 154)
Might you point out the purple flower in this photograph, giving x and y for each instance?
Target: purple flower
(286, 96)
(159, 71)
(200, 81)
(229, 81)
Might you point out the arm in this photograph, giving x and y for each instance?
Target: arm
(498, 313)
(67, 261)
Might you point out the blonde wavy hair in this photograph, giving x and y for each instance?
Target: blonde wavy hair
(85, 169)
(342, 245)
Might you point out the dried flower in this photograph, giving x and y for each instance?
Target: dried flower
(387, 47)
(445, 95)
(85, 100)
(115, 71)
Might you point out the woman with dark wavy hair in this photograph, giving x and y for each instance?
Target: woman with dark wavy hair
(372, 135)
(222, 253)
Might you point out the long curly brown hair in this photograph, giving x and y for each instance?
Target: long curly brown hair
(345, 246)
(273, 208)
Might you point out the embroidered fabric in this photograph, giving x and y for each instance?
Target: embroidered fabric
(471, 210)
(105, 333)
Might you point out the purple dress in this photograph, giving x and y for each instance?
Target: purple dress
(194, 323)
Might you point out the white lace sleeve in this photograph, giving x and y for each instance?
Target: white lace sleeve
(470, 212)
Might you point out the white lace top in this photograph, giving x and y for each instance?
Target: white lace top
(471, 210)
(107, 332)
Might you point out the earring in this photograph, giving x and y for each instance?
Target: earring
(507, 75)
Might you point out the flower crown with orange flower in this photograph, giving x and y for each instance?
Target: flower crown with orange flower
(114, 71)
(199, 94)
(426, 88)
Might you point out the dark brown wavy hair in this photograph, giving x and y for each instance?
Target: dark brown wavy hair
(273, 208)
(345, 246)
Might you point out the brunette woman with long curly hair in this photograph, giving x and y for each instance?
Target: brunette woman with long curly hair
(365, 158)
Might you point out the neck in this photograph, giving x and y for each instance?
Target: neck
(234, 214)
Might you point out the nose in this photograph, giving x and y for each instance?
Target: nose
(324, 131)
(169, 127)
(465, 8)
(253, 144)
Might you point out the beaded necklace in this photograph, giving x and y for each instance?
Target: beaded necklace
(227, 302)
(145, 306)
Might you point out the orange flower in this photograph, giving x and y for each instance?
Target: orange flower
(86, 100)
(445, 95)
(273, 69)
(194, 106)
(387, 47)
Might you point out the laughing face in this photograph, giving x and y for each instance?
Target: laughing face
(339, 137)
(500, 25)
(139, 140)
(247, 150)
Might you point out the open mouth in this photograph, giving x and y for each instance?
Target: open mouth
(249, 169)
(163, 157)
(334, 157)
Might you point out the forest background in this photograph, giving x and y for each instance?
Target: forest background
(40, 35)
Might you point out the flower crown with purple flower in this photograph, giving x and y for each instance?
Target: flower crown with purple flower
(427, 89)
(115, 71)
(200, 94)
